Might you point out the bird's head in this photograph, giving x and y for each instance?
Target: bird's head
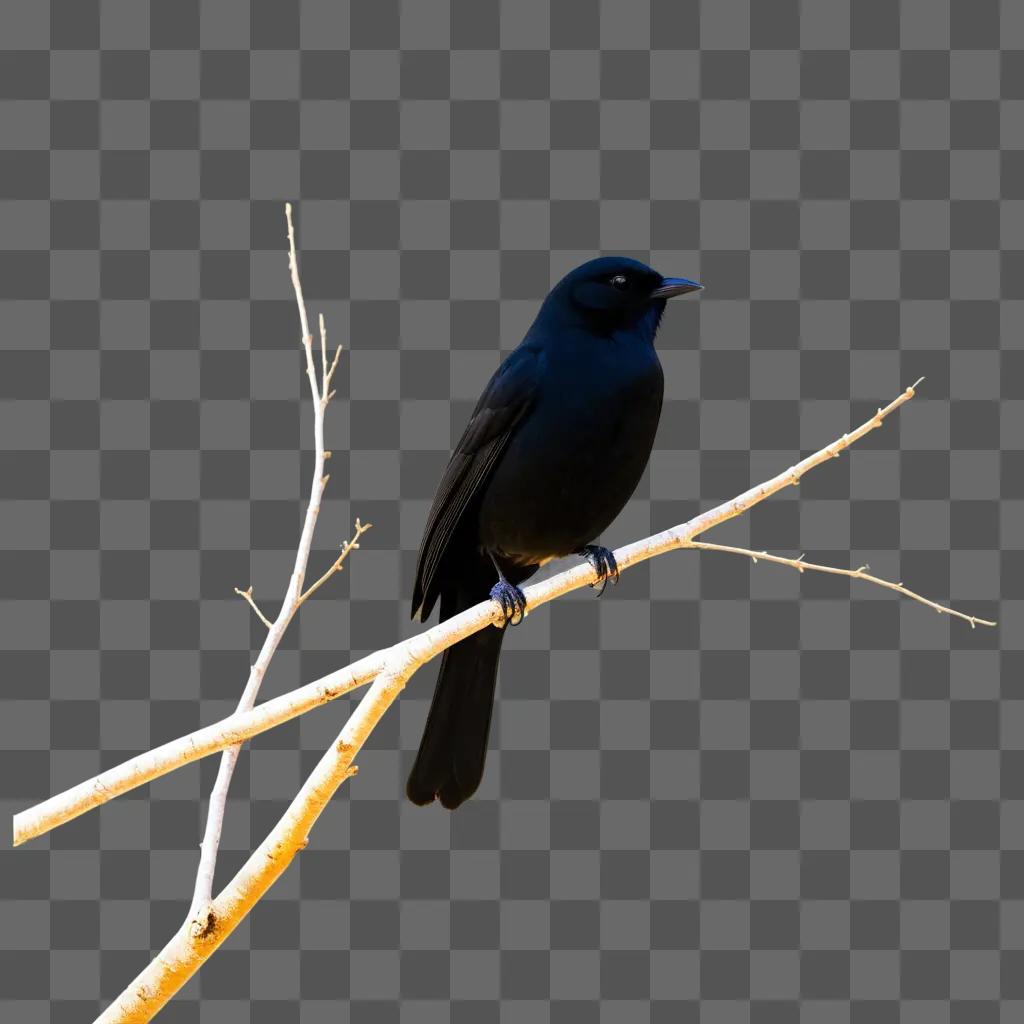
(613, 293)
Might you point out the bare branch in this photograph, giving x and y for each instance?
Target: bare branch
(791, 476)
(236, 728)
(247, 595)
(293, 596)
(854, 574)
(198, 939)
(349, 545)
(188, 950)
(334, 365)
(293, 267)
(240, 726)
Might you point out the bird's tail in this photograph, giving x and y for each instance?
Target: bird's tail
(450, 762)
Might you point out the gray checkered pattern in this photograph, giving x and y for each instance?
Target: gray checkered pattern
(723, 792)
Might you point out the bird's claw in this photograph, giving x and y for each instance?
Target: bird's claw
(512, 601)
(604, 565)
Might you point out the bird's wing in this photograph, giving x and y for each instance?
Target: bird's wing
(501, 407)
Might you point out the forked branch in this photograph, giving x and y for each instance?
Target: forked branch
(145, 767)
(321, 393)
(196, 940)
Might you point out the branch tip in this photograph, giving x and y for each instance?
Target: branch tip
(329, 371)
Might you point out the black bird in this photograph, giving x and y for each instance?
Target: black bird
(553, 450)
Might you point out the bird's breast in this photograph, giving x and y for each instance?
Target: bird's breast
(577, 457)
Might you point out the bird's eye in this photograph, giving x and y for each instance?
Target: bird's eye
(620, 281)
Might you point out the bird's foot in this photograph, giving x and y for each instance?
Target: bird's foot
(512, 601)
(604, 565)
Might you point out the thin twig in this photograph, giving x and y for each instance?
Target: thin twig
(323, 349)
(328, 371)
(247, 595)
(854, 574)
(293, 267)
(349, 545)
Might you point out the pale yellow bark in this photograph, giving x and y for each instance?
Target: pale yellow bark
(194, 942)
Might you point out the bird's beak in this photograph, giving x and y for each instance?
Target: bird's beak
(672, 286)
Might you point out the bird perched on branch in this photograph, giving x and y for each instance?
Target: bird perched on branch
(552, 452)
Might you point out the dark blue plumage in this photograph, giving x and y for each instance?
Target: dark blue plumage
(553, 450)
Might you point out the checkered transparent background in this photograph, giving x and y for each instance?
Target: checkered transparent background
(723, 792)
